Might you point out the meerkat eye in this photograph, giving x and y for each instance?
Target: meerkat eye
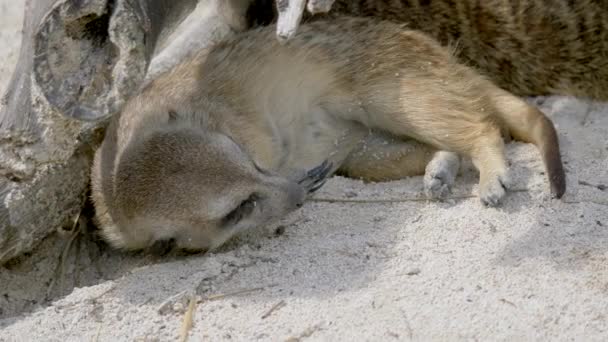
(260, 170)
(244, 209)
(172, 116)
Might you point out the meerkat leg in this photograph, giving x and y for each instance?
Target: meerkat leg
(481, 140)
(488, 157)
(380, 157)
(467, 132)
(440, 173)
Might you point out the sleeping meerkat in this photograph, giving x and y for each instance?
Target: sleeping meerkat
(222, 142)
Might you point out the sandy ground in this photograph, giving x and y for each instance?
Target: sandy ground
(535, 269)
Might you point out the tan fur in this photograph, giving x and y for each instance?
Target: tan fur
(528, 47)
(186, 151)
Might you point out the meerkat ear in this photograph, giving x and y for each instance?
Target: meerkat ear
(172, 115)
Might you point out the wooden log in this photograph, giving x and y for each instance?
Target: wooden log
(79, 62)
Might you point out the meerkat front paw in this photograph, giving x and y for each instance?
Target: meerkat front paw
(290, 14)
(494, 189)
(440, 174)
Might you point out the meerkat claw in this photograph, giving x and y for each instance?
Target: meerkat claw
(316, 177)
(317, 186)
(320, 171)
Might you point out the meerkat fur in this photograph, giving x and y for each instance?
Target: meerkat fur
(528, 47)
(238, 135)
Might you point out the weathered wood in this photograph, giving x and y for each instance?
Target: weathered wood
(79, 61)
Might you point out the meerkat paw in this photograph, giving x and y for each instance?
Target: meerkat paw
(290, 14)
(440, 174)
(494, 189)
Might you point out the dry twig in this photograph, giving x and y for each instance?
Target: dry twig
(61, 269)
(234, 293)
(274, 308)
(188, 319)
(398, 200)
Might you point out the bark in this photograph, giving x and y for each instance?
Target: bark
(80, 60)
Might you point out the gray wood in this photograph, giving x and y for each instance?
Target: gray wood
(79, 62)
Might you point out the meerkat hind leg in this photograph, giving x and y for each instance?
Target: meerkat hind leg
(380, 157)
(481, 140)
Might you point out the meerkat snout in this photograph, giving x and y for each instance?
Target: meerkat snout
(173, 191)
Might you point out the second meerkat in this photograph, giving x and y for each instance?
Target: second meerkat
(215, 145)
(528, 47)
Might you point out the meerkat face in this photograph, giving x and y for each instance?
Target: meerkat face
(194, 189)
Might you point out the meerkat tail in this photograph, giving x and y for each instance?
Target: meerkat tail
(528, 124)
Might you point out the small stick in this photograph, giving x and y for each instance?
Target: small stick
(508, 302)
(187, 322)
(397, 200)
(235, 293)
(587, 201)
(166, 305)
(380, 200)
(60, 270)
(273, 309)
(98, 333)
(597, 186)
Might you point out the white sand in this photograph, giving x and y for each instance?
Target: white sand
(536, 269)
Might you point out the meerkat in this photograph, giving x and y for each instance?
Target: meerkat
(221, 143)
(528, 47)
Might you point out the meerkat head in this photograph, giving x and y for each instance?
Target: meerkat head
(194, 189)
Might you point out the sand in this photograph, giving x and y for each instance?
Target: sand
(534, 269)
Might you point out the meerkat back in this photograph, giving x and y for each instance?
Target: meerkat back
(528, 47)
(388, 77)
